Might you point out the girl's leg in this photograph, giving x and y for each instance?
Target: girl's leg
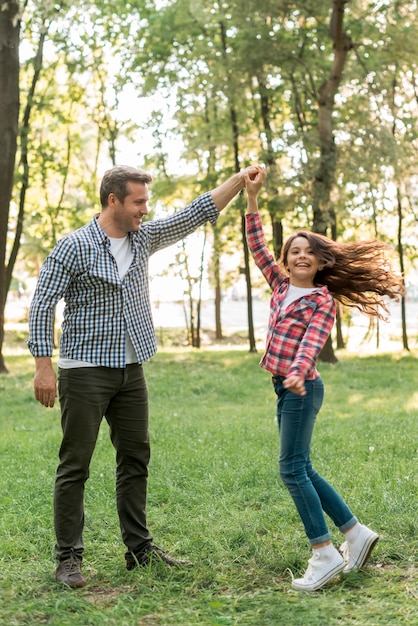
(296, 418)
(311, 493)
(331, 502)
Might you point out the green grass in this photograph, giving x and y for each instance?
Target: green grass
(216, 498)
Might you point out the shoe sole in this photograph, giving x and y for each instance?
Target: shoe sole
(364, 554)
(337, 570)
(75, 584)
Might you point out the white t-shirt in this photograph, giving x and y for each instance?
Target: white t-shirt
(123, 255)
(293, 293)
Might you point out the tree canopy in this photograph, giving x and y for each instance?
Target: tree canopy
(325, 94)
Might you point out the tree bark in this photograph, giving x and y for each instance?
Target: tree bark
(9, 124)
(324, 178)
(217, 281)
(24, 160)
(405, 343)
(323, 215)
(235, 143)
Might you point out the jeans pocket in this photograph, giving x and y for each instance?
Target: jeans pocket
(317, 394)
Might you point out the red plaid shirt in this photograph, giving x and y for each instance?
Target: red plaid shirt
(297, 334)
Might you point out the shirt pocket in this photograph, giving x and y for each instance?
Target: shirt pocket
(302, 310)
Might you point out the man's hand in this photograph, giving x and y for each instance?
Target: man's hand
(224, 193)
(45, 381)
(254, 178)
(295, 384)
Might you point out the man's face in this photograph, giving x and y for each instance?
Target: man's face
(127, 215)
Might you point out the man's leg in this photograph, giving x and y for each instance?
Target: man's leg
(84, 394)
(127, 416)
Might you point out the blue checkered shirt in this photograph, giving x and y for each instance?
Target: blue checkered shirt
(99, 307)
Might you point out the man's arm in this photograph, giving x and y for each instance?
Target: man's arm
(45, 381)
(51, 285)
(223, 194)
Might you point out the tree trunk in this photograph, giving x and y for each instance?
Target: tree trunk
(270, 156)
(247, 273)
(327, 353)
(9, 124)
(324, 178)
(235, 143)
(339, 330)
(24, 160)
(198, 342)
(323, 216)
(251, 335)
(400, 223)
(405, 344)
(217, 281)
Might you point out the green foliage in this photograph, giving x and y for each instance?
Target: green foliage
(266, 62)
(215, 497)
(243, 81)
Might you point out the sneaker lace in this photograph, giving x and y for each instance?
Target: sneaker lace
(345, 551)
(310, 571)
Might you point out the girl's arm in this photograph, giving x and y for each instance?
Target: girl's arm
(253, 185)
(225, 192)
(311, 345)
(254, 229)
(262, 256)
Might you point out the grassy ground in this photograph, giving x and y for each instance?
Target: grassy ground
(215, 497)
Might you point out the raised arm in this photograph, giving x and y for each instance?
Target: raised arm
(253, 184)
(224, 193)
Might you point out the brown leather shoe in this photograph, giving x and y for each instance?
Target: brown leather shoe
(151, 554)
(69, 573)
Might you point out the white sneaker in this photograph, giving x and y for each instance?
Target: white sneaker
(357, 552)
(321, 568)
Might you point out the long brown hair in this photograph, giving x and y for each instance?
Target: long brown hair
(357, 274)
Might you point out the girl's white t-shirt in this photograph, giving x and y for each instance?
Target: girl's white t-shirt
(123, 255)
(293, 293)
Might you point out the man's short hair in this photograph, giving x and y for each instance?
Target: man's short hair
(116, 181)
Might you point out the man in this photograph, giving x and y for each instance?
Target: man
(101, 271)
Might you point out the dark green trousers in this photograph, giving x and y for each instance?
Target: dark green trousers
(86, 395)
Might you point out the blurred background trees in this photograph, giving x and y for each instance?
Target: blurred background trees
(325, 94)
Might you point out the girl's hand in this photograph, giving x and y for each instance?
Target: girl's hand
(295, 384)
(254, 179)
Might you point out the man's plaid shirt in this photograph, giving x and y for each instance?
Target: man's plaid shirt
(99, 307)
(296, 335)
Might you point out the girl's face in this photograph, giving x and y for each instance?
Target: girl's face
(301, 263)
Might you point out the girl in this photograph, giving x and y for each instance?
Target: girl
(314, 271)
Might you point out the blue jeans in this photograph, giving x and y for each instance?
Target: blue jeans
(311, 493)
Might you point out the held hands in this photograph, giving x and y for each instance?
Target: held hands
(295, 384)
(254, 178)
(225, 192)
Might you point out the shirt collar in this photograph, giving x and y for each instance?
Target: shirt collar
(101, 236)
(98, 231)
